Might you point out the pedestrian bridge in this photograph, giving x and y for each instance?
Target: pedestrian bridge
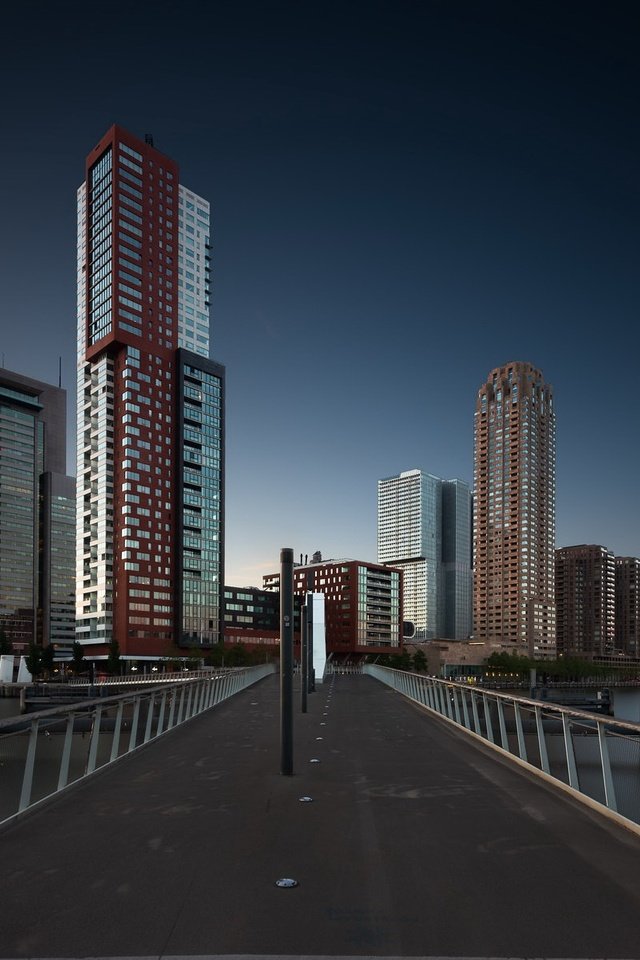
(420, 821)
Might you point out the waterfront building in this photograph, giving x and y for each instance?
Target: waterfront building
(150, 428)
(424, 529)
(362, 602)
(252, 617)
(37, 506)
(514, 511)
(627, 606)
(585, 577)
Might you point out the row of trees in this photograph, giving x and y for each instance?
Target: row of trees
(403, 661)
(565, 669)
(510, 665)
(40, 660)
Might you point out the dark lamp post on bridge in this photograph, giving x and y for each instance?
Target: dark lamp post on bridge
(286, 661)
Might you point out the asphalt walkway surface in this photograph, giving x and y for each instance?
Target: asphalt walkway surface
(416, 843)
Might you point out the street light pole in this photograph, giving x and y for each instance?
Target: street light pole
(286, 661)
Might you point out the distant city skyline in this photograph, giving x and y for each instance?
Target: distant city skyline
(403, 198)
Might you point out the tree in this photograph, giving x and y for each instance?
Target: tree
(33, 659)
(113, 660)
(402, 661)
(46, 659)
(78, 657)
(419, 661)
(5, 643)
(236, 656)
(509, 663)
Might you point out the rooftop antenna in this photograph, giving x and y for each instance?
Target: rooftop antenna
(59, 371)
(148, 138)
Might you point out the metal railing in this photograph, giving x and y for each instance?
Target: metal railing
(48, 751)
(595, 757)
(140, 678)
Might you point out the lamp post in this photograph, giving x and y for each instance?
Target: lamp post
(286, 661)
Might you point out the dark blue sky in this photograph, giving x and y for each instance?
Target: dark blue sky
(404, 196)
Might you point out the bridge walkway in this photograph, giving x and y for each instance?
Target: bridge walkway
(417, 844)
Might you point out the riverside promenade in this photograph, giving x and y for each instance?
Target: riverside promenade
(416, 843)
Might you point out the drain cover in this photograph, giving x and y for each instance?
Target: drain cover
(286, 882)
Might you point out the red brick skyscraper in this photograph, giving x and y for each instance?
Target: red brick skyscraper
(514, 511)
(149, 559)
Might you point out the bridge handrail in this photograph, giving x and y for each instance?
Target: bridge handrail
(154, 677)
(144, 714)
(586, 742)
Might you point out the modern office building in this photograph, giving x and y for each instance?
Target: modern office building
(585, 600)
(252, 617)
(514, 511)
(363, 604)
(627, 605)
(457, 586)
(57, 561)
(37, 504)
(424, 529)
(150, 479)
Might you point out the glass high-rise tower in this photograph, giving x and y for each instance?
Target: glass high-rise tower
(424, 529)
(514, 511)
(37, 506)
(150, 479)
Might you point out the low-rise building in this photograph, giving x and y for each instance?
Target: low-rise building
(363, 604)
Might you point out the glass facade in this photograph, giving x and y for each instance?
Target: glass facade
(100, 247)
(194, 272)
(200, 501)
(32, 439)
(457, 614)
(424, 528)
(57, 560)
(20, 466)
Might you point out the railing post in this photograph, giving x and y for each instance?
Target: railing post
(93, 744)
(569, 752)
(115, 745)
(147, 729)
(27, 780)
(63, 775)
(163, 703)
(451, 702)
(476, 718)
(172, 708)
(542, 744)
(134, 723)
(609, 791)
(504, 739)
(522, 747)
(465, 708)
(187, 709)
(487, 718)
(456, 705)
